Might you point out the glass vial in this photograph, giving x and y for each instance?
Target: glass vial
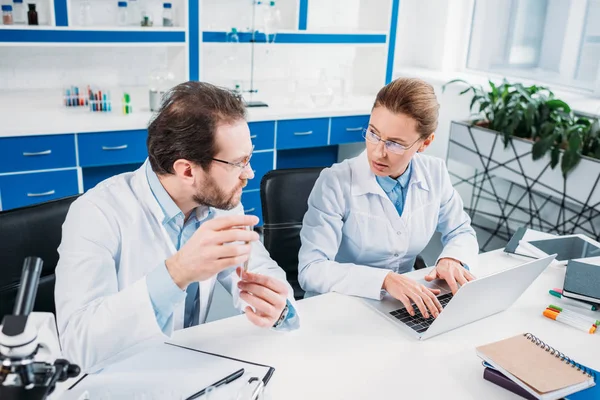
(135, 14)
(32, 15)
(19, 13)
(122, 18)
(7, 15)
(85, 13)
(167, 14)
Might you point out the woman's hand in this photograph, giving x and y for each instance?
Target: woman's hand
(452, 272)
(406, 290)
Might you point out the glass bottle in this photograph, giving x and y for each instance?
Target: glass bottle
(32, 15)
(135, 15)
(85, 13)
(7, 15)
(122, 18)
(19, 13)
(167, 14)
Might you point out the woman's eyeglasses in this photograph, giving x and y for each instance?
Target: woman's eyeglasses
(390, 146)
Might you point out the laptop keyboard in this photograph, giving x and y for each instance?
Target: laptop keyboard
(418, 322)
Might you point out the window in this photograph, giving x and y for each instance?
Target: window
(552, 41)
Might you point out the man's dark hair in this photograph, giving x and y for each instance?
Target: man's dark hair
(185, 125)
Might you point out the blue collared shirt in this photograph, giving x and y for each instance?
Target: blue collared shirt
(164, 293)
(396, 189)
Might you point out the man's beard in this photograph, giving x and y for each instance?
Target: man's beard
(211, 195)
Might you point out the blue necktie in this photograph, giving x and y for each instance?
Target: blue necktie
(192, 305)
(399, 200)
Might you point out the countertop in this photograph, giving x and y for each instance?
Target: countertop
(29, 113)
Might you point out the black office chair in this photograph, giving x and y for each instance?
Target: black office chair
(284, 198)
(30, 231)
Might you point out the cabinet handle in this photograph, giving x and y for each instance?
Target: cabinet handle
(360, 128)
(48, 193)
(253, 136)
(39, 153)
(250, 210)
(108, 148)
(303, 133)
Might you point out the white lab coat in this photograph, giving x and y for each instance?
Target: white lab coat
(112, 237)
(352, 235)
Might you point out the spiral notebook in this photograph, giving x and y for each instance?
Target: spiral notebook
(538, 368)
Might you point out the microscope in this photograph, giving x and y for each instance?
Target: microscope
(21, 376)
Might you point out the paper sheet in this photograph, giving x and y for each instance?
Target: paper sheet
(164, 372)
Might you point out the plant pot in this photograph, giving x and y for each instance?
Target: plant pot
(473, 145)
(572, 203)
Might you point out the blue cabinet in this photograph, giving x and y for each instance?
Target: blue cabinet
(262, 135)
(348, 129)
(252, 205)
(261, 163)
(31, 153)
(34, 169)
(21, 190)
(302, 133)
(112, 148)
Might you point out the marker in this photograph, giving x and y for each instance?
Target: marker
(552, 314)
(574, 303)
(575, 314)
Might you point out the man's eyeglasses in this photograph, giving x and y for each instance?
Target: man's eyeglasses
(390, 146)
(241, 165)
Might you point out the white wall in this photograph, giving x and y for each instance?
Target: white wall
(289, 73)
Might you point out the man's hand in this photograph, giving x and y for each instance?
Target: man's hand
(266, 294)
(205, 253)
(406, 289)
(452, 272)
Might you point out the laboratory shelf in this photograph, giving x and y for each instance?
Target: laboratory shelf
(92, 35)
(301, 37)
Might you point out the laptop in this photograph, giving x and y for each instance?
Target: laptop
(475, 300)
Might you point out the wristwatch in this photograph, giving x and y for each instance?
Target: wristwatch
(283, 316)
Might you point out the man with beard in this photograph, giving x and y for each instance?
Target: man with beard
(142, 251)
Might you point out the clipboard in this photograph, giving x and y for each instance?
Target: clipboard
(167, 369)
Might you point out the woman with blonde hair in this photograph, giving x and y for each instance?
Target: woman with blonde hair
(369, 217)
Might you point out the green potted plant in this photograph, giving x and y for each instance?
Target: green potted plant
(533, 113)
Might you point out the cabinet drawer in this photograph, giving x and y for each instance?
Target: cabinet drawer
(348, 129)
(29, 153)
(261, 163)
(251, 203)
(301, 133)
(25, 189)
(262, 135)
(112, 148)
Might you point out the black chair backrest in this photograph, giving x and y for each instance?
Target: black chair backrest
(30, 231)
(284, 197)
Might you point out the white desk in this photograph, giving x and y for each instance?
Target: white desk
(345, 350)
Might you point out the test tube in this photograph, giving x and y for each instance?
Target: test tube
(248, 228)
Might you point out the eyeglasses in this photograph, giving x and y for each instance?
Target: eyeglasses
(241, 165)
(390, 146)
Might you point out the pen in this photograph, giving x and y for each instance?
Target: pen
(224, 381)
(575, 303)
(553, 314)
(575, 315)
